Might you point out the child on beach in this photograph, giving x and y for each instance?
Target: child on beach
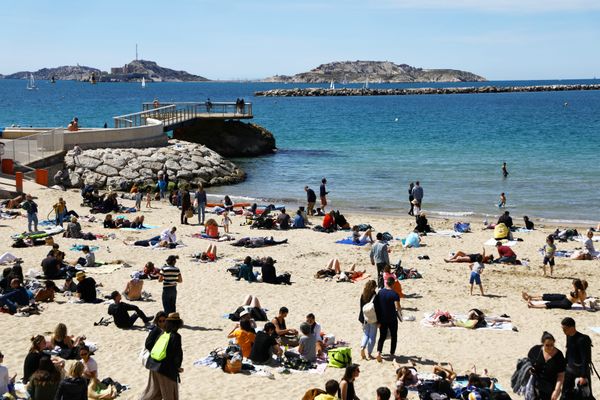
(502, 202)
(549, 250)
(226, 221)
(148, 198)
(476, 271)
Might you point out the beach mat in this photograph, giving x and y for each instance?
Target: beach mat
(574, 307)
(79, 247)
(145, 228)
(491, 326)
(445, 234)
(350, 241)
(492, 242)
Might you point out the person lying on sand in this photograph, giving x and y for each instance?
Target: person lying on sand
(333, 270)
(565, 302)
(357, 238)
(207, 256)
(462, 257)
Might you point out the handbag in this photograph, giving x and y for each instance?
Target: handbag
(152, 364)
(189, 213)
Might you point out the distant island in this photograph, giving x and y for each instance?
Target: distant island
(130, 72)
(375, 71)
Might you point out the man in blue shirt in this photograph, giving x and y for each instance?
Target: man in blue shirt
(380, 257)
(387, 308)
(417, 193)
(32, 209)
(323, 194)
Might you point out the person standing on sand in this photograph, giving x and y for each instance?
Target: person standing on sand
(476, 271)
(387, 308)
(380, 257)
(504, 170)
(200, 203)
(323, 194)
(170, 276)
(417, 193)
(311, 199)
(411, 198)
(186, 204)
(32, 212)
(579, 359)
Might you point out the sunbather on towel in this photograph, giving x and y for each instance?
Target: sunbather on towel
(462, 257)
(333, 270)
(578, 295)
(258, 242)
(363, 238)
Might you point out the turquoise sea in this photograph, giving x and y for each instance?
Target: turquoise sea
(370, 148)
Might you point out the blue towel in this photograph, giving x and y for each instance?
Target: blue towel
(349, 240)
(145, 228)
(78, 247)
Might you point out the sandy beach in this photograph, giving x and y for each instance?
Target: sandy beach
(208, 292)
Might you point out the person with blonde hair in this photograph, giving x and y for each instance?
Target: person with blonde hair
(62, 339)
(99, 391)
(73, 387)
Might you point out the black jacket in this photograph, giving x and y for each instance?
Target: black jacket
(72, 389)
(169, 367)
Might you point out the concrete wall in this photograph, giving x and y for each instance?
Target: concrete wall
(150, 135)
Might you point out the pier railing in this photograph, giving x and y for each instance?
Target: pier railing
(31, 148)
(174, 113)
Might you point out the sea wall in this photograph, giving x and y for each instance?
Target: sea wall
(120, 168)
(314, 92)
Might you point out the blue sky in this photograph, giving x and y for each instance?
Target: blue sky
(231, 39)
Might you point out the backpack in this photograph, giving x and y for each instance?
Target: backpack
(462, 227)
(159, 350)
(386, 237)
(369, 311)
(340, 357)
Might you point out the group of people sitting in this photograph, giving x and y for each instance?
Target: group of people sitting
(114, 223)
(268, 273)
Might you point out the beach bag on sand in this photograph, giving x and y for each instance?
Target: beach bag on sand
(189, 213)
(369, 312)
(462, 227)
(500, 232)
(159, 350)
(339, 357)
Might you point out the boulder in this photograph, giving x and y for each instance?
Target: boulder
(87, 162)
(116, 162)
(189, 165)
(107, 170)
(73, 179)
(119, 183)
(92, 178)
(172, 165)
(129, 174)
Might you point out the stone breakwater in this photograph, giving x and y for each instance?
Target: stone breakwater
(119, 169)
(315, 92)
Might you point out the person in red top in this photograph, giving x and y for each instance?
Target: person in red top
(507, 256)
(329, 221)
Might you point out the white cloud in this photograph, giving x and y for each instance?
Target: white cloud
(510, 6)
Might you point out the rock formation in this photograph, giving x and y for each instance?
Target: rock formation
(121, 168)
(230, 138)
(375, 71)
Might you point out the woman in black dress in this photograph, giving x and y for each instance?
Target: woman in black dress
(411, 198)
(549, 366)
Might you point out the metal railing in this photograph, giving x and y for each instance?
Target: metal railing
(35, 147)
(174, 113)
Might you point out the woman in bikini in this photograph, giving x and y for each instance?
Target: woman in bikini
(578, 295)
(462, 257)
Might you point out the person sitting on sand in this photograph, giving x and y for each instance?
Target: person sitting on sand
(101, 391)
(422, 223)
(283, 220)
(462, 257)
(61, 338)
(412, 240)
(90, 367)
(211, 228)
(73, 229)
(227, 203)
(168, 238)
(299, 221)
(16, 297)
(120, 312)
(269, 274)
(288, 337)
(315, 330)
(528, 224)
(307, 345)
(88, 260)
(69, 286)
(109, 222)
(588, 244)
(150, 271)
(86, 288)
(506, 219)
(565, 302)
(245, 271)
(396, 287)
(52, 267)
(133, 290)
(329, 221)
(357, 238)
(244, 335)
(506, 254)
(333, 270)
(46, 293)
(265, 345)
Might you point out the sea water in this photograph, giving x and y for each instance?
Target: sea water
(370, 148)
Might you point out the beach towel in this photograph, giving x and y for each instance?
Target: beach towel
(591, 304)
(4, 215)
(595, 329)
(39, 234)
(558, 253)
(361, 277)
(105, 269)
(505, 242)
(491, 325)
(524, 230)
(47, 222)
(79, 247)
(145, 228)
(453, 234)
(257, 370)
(350, 240)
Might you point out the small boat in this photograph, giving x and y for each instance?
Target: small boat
(52, 80)
(332, 85)
(31, 83)
(143, 82)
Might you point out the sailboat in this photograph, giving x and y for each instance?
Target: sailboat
(332, 85)
(143, 82)
(31, 83)
(367, 83)
(345, 81)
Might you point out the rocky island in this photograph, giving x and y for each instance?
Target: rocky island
(131, 72)
(375, 71)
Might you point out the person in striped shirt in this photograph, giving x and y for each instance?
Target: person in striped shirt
(170, 276)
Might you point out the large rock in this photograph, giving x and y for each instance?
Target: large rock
(87, 162)
(92, 178)
(118, 183)
(116, 162)
(107, 170)
(129, 173)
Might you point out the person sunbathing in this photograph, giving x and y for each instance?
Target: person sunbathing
(412, 240)
(462, 257)
(207, 256)
(258, 242)
(333, 270)
(133, 290)
(46, 293)
(109, 222)
(138, 222)
(565, 302)
(357, 238)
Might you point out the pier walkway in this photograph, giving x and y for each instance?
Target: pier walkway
(174, 115)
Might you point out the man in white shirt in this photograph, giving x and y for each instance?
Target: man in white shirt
(168, 238)
(315, 330)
